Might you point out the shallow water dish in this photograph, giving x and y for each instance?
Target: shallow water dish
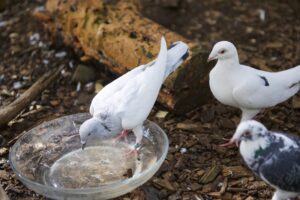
(48, 159)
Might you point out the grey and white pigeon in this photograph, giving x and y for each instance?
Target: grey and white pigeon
(246, 88)
(124, 104)
(274, 157)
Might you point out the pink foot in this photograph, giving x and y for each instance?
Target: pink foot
(123, 134)
(133, 151)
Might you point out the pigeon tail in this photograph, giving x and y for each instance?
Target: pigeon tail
(291, 79)
(291, 76)
(176, 54)
(156, 71)
(295, 76)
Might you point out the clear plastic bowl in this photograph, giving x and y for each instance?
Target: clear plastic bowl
(49, 160)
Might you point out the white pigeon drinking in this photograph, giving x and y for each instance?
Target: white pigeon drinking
(124, 104)
(247, 88)
(274, 157)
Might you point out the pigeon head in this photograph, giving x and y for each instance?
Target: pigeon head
(222, 51)
(249, 131)
(89, 128)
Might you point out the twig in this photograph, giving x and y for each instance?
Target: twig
(10, 111)
(222, 190)
(40, 16)
(224, 186)
(231, 189)
(34, 111)
(21, 53)
(12, 141)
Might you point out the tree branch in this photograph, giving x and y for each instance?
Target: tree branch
(9, 112)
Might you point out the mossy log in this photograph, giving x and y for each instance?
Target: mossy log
(115, 33)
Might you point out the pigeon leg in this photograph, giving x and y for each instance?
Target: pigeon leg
(134, 150)
(123, 134)
(131, 152)
(138, 132)
(248, 114)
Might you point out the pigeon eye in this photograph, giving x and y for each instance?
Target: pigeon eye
(89, 134)
(222, 51)
(247, 133)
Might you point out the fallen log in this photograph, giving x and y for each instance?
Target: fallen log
(114, 33)
(9, 112)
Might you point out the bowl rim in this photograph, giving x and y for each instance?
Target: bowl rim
(116, 184)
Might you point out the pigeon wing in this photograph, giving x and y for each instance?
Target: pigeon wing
(175, 56)
(105, 95)
(283, 170)
(256, 91)
(139, 95)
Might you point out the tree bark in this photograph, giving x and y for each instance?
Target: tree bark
(117, 35)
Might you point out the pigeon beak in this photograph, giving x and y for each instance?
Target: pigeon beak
(210, 58)
(83, 145)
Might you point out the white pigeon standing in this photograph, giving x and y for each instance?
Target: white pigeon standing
(124, 104)
(246, 88)
(274, 157)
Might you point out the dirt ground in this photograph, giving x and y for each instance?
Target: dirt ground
(267, 35)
